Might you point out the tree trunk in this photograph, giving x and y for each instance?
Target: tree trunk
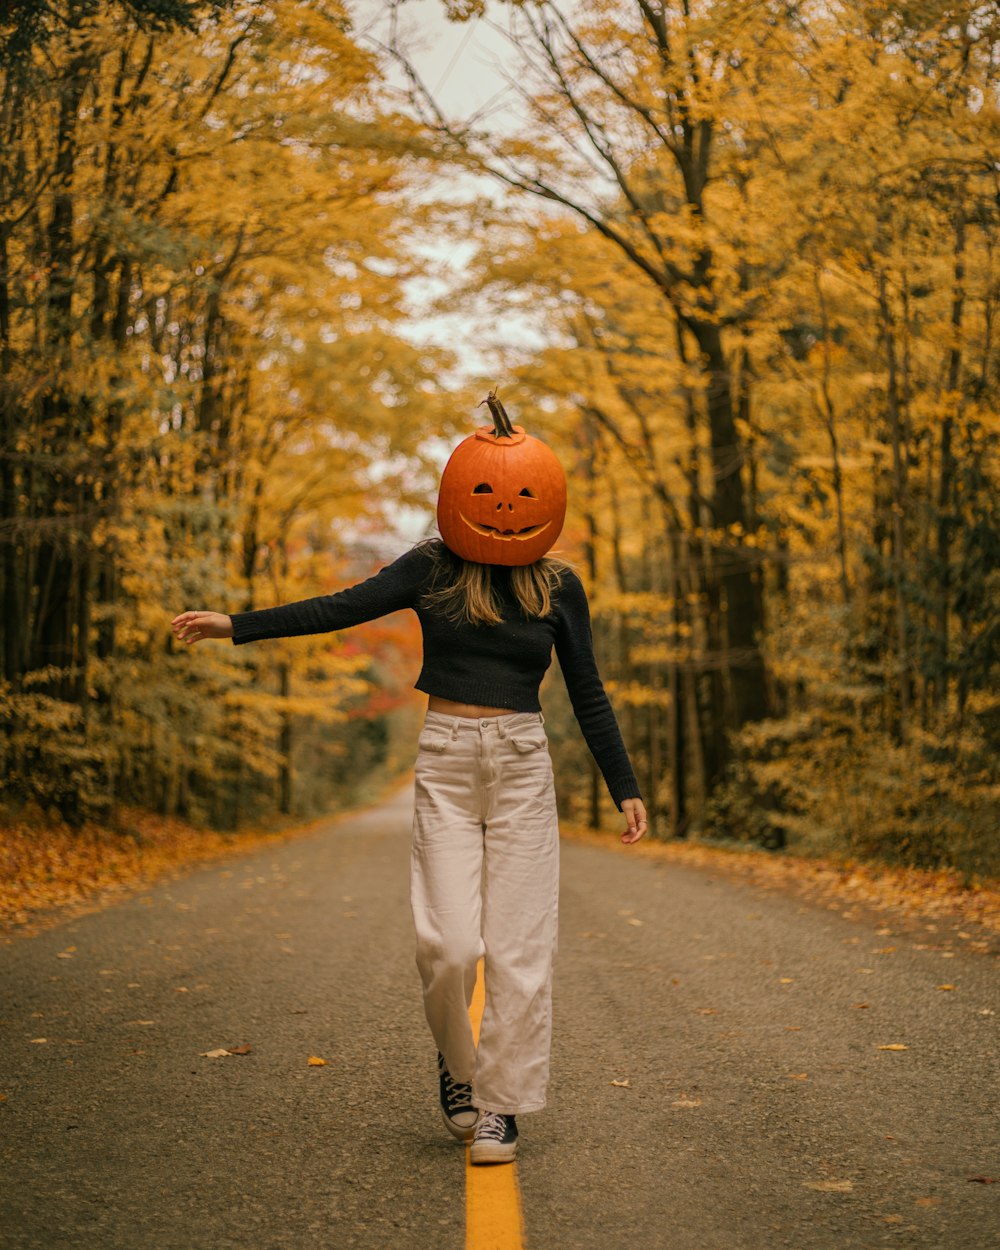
(590, 556)
(54, 639)
(829, 418)
(946, 473)
(737, 596)
(285, 742)
(675, 711)
(898, 509)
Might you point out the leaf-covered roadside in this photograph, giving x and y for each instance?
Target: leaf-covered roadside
(939, 899)
(48, 869)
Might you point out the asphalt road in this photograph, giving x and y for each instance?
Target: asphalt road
(758, 1112)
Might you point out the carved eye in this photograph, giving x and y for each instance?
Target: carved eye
(484, 488)
(530, 493)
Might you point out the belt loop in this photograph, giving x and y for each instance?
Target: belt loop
(455, 728)
(541, 718)
(501, 727)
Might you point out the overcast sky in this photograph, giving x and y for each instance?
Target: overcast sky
(462, 64)
(456, 59)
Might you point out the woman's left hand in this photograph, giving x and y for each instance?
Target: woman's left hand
(635, 814)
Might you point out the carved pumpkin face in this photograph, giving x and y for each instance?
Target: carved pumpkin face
(502, 498)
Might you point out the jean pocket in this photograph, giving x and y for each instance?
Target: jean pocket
(529, 742)
(433, 740)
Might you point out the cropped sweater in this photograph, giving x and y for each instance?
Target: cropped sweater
(492, 665)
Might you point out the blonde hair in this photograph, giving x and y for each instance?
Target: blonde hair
(463, 589)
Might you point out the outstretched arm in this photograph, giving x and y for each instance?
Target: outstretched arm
(394, 586)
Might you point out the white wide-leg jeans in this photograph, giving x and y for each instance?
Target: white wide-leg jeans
(485, 882)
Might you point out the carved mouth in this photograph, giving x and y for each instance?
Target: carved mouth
(491, 531)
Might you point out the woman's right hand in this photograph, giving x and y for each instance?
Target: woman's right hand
(192, 626)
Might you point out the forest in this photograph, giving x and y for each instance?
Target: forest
(755, 245)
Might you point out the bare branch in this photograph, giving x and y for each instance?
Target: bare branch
(646, 114)
(227, 66)
(598, 136)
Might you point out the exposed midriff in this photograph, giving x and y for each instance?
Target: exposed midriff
(472, 710)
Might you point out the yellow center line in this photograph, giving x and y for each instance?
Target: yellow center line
(493, 1218)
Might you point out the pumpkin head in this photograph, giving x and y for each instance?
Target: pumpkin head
(502, 498)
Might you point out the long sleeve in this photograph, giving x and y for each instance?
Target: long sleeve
(593, 710)
(392, 587)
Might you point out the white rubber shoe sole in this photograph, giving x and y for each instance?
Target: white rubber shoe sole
(492, 1152)
(463, 1126)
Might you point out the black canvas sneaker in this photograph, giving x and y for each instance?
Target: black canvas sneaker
(457, 1111)
(495, 1139)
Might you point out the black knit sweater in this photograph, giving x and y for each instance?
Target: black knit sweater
(492, 665)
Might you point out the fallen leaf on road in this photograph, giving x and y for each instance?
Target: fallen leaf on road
(799, 1076)
(895, 1046)
(927, 1202)
(892, 1219)
(239, 1050)
(707, 1011)
(687, 1102)
(635, 922)
(985, 1180)
(884, 950)
(316, 1062)
(833, 1187)
(946, 987)
(39, 1040)
(859, 1005)
(793, 1028)
(787, 980)
(621, 1084)
(221, 1053)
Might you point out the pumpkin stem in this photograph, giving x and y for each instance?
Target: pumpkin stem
(502, 427)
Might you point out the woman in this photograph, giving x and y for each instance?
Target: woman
(484, 867)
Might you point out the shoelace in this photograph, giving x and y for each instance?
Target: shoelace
(457, 1093)
(492, 1126)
